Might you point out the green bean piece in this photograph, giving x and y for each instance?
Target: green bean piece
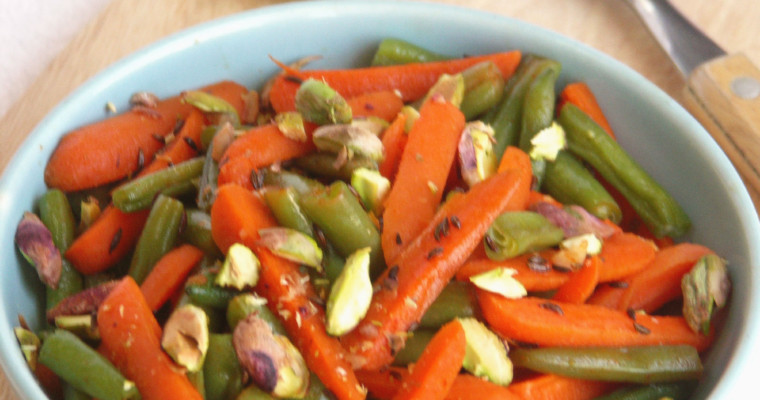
(56, 214)
(537, 114)
(518, 232)
(216, 320)
(72, 393)
(139, 193)
(222, 373)
(570, 182)
(243, 305)
(198, 232)
(638, 364)
(660, 212)
(84, 368)
(286, 179)
(484, 87)
(395, 52)
(207, 136)
(210, 295)
(345, 223)
(99, 278)
(198, 382)
(207, 184)
(455, 301)
(327, 165)
(182, 189)
(655, 391)
(332, 262)
(157, 237)
(287, 211)
(413, 347)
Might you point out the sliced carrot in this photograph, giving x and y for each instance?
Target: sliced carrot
(394, 142)
(514, 158)
(608, 295)
(258, 148)
(411, 80)
(438, 366)
(581, 283)
(471, 387)
(531, 278)
(418, 187)
(382, 384)
(168, 275)
(427, 265)
(550, 323)
(109, 150)
(556, 387)
(184, 146)
(129, 340)
(236, 217)
(624, 254)
(384, 104)
(580, 94)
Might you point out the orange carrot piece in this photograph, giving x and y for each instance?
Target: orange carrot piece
(539, 321)
(109, 150)
(427, 265)
(411, 80)
(394, 142)
(580, 94)
(438, 366)
(179, 149)
(608, 295)
(236, 217)
(382, 384)
(531, 279)
(384, 104)
(660, 281)
(471, 387)
(422, 172)
(514, 158)
(624, 254)
(108, 240)
(168, 274)
(580, 284)
(259, 147)
(556, 387)
(126, 326)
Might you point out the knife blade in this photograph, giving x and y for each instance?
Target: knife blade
(722, 90)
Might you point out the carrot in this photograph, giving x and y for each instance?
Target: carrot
(514, 158)
(259, 147)
(471, 387)
(660, 281)
(126, 326)
(556, 387)
(394, 142)
(384, 104)
(109, 150)
(180, 149)
(608, 295)
(168, 274)
(382, 384)
(581, 283)
(624, 254)
(422, 172)
(580, 94)
(108, 240)
(50, 382)
(550, 323)
(427, 265)
(236, 217)
(434, 372)
(530, 278)
(411, 80)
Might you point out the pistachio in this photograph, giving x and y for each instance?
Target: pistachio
(573, 251)
(186, 336)
(548, 142)
(350, 295)
(371, 187)
(354, 139)
(375, 125)
(84, 326)
(286, 69)
(500, 280)
(30, 345)
(485, 354)
(573, 220)
(291, 125)
(35, 242)
(411, 117)
(89, 211)
(477, 160)
(271, 360)
(224, 136)
(320, 104)
(243, 305)
(209, 103)
(240, 268)
(293, 245)
(705, 288)
(251, 107)
(144, 99)
(449, 88)
(85, 302)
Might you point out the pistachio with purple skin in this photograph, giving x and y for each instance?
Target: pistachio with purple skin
(448, 87)
(35, 242)
(185, 337)
(705, 288)
(272, 361)
(350, 138)
(240, 268)
(477, 160)
(81, 303)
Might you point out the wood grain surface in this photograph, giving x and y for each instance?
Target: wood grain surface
(607, 25)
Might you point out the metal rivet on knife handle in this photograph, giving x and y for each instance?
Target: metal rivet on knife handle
(745, 87)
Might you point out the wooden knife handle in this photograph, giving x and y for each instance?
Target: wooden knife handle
(724, 95)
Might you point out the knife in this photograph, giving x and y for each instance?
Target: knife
(722, 90)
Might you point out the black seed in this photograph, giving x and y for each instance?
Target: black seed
(114, 241)
(140, 159)
(631, 313)
(157, 137)
(257, 179)
(380, 222)
(369, 106)
(319, 236)
(538, 264)
(436, 251)
(190, 142)
(618, 284)
(398, 239)
(562, 268)
(456, 222)
(396, 375)
(179, 125)
(552, 307)
(393, 273)
(641, 328)
(294, 79)
(490, 243)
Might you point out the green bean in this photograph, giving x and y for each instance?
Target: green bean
(659, 211)
(655, 391)
(568, 181)
(537, 114)
(455, 301)
(345, 223)
(287, 211)
(484, 87)
(222, 373)
(207, 184)
(245, 304)
(332, 262)
(639, 364)
(197, 380)
(326, 165)
(157, 237)
(198, 232)
(72, 393)
(210, 295)
(84, 368)
(518, 232)
(286, 179)
(394, 52)
(139, 193)
(414, 346)
(57, 216)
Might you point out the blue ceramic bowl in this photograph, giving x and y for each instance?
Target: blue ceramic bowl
(663, 137)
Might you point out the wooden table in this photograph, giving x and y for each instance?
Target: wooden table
(608, 25)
